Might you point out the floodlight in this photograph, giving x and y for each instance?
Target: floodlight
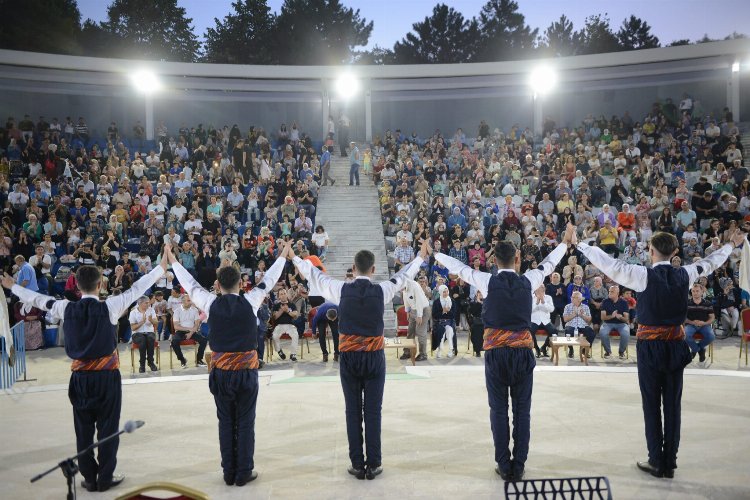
(145, 81)
(736, 67)
(542, 80)
(347, 86)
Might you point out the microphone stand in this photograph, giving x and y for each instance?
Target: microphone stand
(69, 466)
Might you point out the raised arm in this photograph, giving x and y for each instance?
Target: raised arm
(709, 264)
(118, 304)
(398, 280)
(258, 294)
(320, 283)
(477, 279)
(548, 265)
(628, 275)
(43, 302)
(201, 297)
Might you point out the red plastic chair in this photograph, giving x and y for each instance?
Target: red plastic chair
(402, 328)
(157, 354)
(745, 337)
(183, 343)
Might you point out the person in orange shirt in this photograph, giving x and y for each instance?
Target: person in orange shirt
(626, 224)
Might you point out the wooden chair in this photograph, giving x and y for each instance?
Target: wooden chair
(699, 336)
(613, 333)
(157, 354)
(184, 343)
(183, 492)
(745, 334)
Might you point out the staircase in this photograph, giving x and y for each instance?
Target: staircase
(351, 216)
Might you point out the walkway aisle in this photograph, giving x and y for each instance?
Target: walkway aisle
(351, 216)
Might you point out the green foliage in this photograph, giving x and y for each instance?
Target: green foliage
(504, 34)
(635, 34)
(40, 26)
(243, 36)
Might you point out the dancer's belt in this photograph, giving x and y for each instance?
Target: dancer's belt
(235, 361)
(664, 332)
(496, 337)
(350, 343)
(111, 362)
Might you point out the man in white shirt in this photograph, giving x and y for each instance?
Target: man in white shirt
(186, 325)
(182, 182)
(418, 311)
(541, 308)
(143, 323)
(157, 207)
(178, 210)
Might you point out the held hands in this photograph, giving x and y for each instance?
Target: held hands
(426, 249)
(570, 237)
(8, 281)
(737, 238)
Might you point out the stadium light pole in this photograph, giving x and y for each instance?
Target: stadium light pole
(147, 83)
(542, 81)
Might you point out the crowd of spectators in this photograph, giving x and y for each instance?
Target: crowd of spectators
(217, 195)
(617, 179)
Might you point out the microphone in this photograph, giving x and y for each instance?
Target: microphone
(132, 425)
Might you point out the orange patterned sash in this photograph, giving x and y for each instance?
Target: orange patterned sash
(348, 343)
(495, 337)
(234, 361)
(665, 332)
(111, 362)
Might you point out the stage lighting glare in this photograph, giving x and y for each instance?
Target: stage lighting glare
(542, 80)
(347, 86)
(736, 67)
(145, 81)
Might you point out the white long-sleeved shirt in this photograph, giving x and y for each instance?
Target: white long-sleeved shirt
(414, 298)
(203, 299)
(540, 313)
(635, 276)
(117, 304)
(481, 280)
(324, 286)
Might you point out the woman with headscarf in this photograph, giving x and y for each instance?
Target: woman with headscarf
(444, 311)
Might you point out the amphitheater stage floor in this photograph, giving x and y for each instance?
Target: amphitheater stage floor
(436, 436)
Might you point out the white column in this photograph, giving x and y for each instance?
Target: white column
(149, 116)
(538, 116)
(325, 104)
(368, 113)
(734, 101)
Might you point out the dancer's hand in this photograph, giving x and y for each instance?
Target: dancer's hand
(570, 236)
(426, 249)
(738, 238)
(8, 281)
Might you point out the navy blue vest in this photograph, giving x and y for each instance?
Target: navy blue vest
(361, 309)
(89, 334)
(508, 302)
(233, 325)
(664, 301)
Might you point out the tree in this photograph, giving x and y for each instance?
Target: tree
(40, 26)
(504, 32)
(318, 32)
(559, 38)
(636, 34)
(243, 36)
(596, 37)
(444, 37)
(377, 55)
(151, 29)
(681, 41)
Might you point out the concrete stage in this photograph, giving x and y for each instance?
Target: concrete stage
(436, 436)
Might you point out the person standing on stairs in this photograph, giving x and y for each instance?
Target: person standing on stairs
(325, 165)
(354, 160)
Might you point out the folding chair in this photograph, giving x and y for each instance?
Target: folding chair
(157, 354)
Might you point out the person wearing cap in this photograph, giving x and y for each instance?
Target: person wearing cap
(354, 160)
(661, 348)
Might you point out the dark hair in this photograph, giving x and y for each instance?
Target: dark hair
(228, 277)
(363, 261)
(87, 278)
(664, 243)
(331, 314)
(505, 253)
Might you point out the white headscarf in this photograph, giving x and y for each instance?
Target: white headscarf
(445, 302)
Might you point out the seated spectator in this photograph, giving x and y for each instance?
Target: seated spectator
(284, 315)
(608, 239)
(444, 313)
(143, 324)
(541, 309)
(404, 254)
(186, 325)
(578, 286)
(615, 316)
(577, 317)
(700, 319)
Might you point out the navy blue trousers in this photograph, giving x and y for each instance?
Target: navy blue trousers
(261, 343)
(661, 364)
(510, 371)
(235, 394)
(363, 381)
(96, 397)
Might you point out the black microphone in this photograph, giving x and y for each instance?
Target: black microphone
(132, 425)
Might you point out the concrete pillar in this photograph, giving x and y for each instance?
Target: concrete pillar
(733, 94)
(368, 112)
(149, 99)
(325, 107)
(538, 114)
